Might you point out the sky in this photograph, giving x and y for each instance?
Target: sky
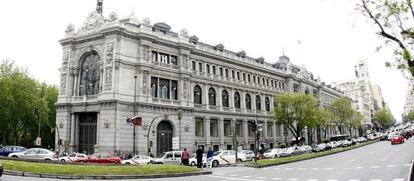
(326, 36)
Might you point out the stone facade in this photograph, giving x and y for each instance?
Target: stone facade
(215, 89)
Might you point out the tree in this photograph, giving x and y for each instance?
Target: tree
(409, 117)
(394, 19)
(341, 112)
(383, 118)
(19, 96)
(355, 122)
(296, 111)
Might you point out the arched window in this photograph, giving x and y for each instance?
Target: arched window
(225, 98)
(258, 103)
(248, 100)
(236, 100)
(211, 97)
(89, 75)
(267, 104)
(197, 95)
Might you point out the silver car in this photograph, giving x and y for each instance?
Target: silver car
(35, 154)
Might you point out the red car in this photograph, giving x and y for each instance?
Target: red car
(107, 158)
(397, 139)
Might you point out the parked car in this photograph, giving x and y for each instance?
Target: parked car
(5, 151)
(35, 154)
(193, 160)
(332, 144)
(72, 157)
(291, 151)
(306, 149)
(224, 157)
(320, 147)
(273, 153)
(103, 157)
(1, 170)
(346, 143)
(138, 160)
(249, 154)
(171, 157)
(397, 139)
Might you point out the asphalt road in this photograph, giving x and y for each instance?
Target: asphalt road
(376, 162)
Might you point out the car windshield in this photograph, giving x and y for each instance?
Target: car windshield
(162, 155)
(268, 151)
(216, 153)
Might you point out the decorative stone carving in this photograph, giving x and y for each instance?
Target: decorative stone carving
(92, 22)
(184, 32)
(144, 83)
(113, 17)
(70, 28)
(63, 84)
(145, 53)
(146, 22)
(185, 88)
(109, 65)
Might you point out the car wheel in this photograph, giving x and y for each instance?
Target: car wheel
(192, 164)
(239, 160)
(215, 163)
(275, 156)
(14, 156)
(48, 160)
(63, 160)
(81, 161)
(127, 163)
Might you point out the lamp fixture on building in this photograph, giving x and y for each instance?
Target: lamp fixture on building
(106, 124)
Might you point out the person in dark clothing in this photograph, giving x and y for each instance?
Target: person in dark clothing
(199, 156)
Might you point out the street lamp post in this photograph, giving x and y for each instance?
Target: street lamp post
(135, 113)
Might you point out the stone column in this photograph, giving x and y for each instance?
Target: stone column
(221, 130)
(207, 130)
(289, 84)
(219, 101)
(243, 101)
(274, 132)
(205, 96)
(231, 99)
(253, 101)
(72, 131)
(265, 128)
(245, 132)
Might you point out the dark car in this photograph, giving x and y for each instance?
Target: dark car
(5, 151)
(1, 170)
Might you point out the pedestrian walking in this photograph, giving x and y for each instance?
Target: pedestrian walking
(210, 153)
(199, 156)
(185, 157)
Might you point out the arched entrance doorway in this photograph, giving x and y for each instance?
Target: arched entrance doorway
(164, 137)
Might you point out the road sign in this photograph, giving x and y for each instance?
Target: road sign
(175, 143)
(38, 141)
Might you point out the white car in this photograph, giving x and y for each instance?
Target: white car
(193, 160)
(35, 154)
(171, 157)
(248, 154)
(138, 160)
(306, 149)
(72, 157)
(226, 157)
(273, 153)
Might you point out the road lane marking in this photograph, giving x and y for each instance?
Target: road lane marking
(390, 166)
(232, 175)
(231, 178)
(328, 168)
(260, 177)
(359, 167)
(407, 165)
(374, 166)
(315, 168)
(276, 169)
(289, 169)
(265, 168)
(276, 178)
(301, 169)
(398, 179)
(293, 179)
(312, 180)
(386, 158)
(375, 180)
(353, 180)
(331, 180)
(247, 176)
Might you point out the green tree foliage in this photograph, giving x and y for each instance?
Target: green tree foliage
(355, 121)
(383, 118)
(394, 19)
(19, 96)
(342, 113)
(297, 111)
(409, 117)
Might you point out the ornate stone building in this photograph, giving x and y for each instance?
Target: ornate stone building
(216, 89)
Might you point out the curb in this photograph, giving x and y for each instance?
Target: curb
(103, 177)
(263, 166)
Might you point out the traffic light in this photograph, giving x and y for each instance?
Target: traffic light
(151, 143)
(254, 127)
(237, 129)
(60, 142)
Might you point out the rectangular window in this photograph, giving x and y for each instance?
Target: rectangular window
(214, 70)
(173, 59)
(174, 91)
(199, 127)
(227, 73)
(273, 83)
(238, 75)
(248, 78)
(295, 88)
(227, 127)
(200, 67)
(232, 74)
(154, 55)
(249, 128)
(270, 129)
(254, 79)
(208, 68)
(154, 86)
(221, 71)
(214, 128)
(263, 81)
(267, 82)
(164, 88)
(244, 76)
(164, 58)
(194, 66)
